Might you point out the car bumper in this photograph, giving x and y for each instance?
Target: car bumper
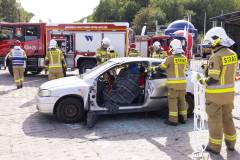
(46, 104)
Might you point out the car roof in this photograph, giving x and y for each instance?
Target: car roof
(135, 59)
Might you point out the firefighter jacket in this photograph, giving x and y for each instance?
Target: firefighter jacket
(102, 55)
(222, 68)
(175, 66)
(112, 55)
(18, 57)
(159, 54)
(133, 53)
(55, 60)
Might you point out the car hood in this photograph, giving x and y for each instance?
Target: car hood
(62, 82)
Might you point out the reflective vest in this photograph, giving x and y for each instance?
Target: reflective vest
(222, 66)
(175, 66)
(18, 57)
(133, 54)
(101, 55)
(55, 58)
(161, 54)
(112, 55)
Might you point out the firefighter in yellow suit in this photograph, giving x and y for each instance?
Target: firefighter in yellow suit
(219, 92)
(133, 52)
(158, 52)
(101, 53)
(54, 61)
(18, 57)
(175, 66)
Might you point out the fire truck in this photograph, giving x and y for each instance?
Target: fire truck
(78, 42)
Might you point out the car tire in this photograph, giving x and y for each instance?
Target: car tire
(70, 110)
(190, 103)
(86, 64)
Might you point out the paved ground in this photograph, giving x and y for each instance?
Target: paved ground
(27, 135)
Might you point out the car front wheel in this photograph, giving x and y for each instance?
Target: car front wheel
(70, 110)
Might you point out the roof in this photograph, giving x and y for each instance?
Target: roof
(233, 17)
(135, 59)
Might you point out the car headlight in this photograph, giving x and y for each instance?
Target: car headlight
(44, 93)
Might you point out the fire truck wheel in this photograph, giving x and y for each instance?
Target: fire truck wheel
(36, 72)
(86, 64)
(70, 110)
(190, 104)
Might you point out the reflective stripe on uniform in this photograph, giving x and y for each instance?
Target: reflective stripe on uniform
(174, 114)
(176, 80)
(219, 90)
(230, 137)
(18, 80)
(54, 66)
(176, 70)
(215, 141)
(163, 65)
(222, 79)
(183, 112)
(212, 71)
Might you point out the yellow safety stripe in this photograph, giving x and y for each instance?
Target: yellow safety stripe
(163, 65)
(234, 71)
(176, 70)
(18, 80)
(230, 138)
(176, 81)
(212, 71)
(54, 66)
(174, 114)
(223, 75)
(215, 141)
(220, 90)
(183, 112)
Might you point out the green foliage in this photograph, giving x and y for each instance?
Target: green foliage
(11, 11)
(140, 12)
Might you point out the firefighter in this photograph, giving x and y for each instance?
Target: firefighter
(220, 90)
(18, 57)
(111, 52)
(158, 51)
(101, 53)
(133, 52)
(55, 61)
(175, 66)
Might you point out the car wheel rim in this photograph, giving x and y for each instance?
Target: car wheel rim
(70, 111)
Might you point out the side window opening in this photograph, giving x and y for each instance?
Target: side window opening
(157, 74)
(6, 33)
(31, 33)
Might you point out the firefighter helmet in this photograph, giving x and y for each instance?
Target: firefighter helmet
(106, 42)
(218, 36)
(176, 46)
(53, 44)
(156, 45)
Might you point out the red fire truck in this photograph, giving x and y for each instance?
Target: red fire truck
(78, 42)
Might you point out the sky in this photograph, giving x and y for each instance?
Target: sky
(60, 11)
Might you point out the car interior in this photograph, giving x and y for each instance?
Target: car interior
(106, 81)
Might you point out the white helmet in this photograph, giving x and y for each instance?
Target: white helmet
(156, 45)
(106, 42)
(53, 44)
(176, 46)
(110, 48)
(217, 35)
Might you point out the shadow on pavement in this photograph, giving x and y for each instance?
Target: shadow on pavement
(7, 91)
(118, 128)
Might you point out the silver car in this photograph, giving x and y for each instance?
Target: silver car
(77, 98)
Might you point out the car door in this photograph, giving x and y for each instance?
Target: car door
(157, 88)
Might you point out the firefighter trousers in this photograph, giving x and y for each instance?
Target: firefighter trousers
(220, 122)
(176, 105)
(55, 73)
(18, 74)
